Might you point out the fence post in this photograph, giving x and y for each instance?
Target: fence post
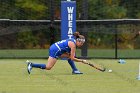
(116, 42)
(52, 29)
(84, 30)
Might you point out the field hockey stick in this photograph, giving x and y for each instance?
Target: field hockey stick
(100, 68)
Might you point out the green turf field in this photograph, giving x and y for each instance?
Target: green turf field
(14, 78)
(43, 53)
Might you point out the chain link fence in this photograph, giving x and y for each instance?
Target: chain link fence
(28, 28)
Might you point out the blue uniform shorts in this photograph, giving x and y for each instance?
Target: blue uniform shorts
(54, 52)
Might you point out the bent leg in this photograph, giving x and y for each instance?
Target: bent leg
(41, 66)
(51, 63)
(72, 64)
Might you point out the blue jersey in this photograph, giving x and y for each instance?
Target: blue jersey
(60, 47)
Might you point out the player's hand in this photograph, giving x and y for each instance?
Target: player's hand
(84, 61)
(139, 32)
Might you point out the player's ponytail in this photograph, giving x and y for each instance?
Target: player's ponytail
(76, 34)
(79, 37)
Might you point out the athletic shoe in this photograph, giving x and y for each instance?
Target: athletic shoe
(29, 66)
(76, 72)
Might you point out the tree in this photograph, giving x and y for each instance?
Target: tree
(132, 6)
(32, 9)
(106, 9)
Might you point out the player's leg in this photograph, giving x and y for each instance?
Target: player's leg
(71, 63)
(73, 66)
(50, 64)
(34, 65)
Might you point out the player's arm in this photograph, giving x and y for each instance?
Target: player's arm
(72, 53)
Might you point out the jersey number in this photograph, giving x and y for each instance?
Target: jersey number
(61, 41)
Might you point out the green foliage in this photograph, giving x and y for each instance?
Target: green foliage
(40, 9)
(97, 9)
(34, 9)
(133, 7)
(107, 9)
(24, 9)
(26, 39)
(114, 12)
(99, 40)
(8, 9)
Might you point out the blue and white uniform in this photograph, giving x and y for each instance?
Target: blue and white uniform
(60, 47)
(55, 51)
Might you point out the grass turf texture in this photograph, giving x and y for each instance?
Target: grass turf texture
(15, 79)
(43, 53)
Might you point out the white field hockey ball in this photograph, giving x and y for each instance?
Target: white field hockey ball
(110, 70)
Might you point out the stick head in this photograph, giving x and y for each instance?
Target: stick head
(98, 67)
(103, 70)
